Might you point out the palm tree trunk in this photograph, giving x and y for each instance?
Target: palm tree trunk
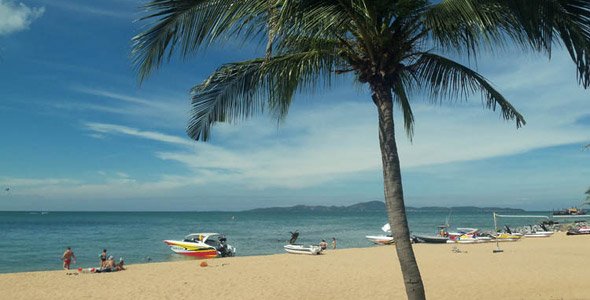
(394, 196)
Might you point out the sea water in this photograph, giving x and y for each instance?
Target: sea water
(31, 241)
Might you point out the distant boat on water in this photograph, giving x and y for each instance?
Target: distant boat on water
(572, 211)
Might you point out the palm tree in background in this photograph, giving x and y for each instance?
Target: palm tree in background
(399, 49)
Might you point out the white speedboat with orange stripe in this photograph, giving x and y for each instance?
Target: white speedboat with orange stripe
(202, 245)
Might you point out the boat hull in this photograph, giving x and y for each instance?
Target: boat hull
(301, 249)
(192, 249)
(431, 239)
(539, 234)
(380, 239)
(579, 231)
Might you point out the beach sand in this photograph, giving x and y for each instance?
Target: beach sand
(547, 268)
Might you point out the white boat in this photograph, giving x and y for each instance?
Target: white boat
(302, 249)
(535, 234)
(380, 239)
(202, 245)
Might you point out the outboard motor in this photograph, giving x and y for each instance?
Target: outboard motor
(294, 236)
(224, 249)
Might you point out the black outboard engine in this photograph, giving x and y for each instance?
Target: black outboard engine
(294, 236)
(223, 248)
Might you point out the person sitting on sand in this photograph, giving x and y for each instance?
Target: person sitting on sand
(111, 263)
(120, 265)
(323, 245)
(67, 258)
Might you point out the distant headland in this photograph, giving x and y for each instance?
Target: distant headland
(380, 206)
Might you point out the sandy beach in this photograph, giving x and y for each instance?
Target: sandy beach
(549, 268)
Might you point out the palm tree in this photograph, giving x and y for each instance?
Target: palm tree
(396, 48)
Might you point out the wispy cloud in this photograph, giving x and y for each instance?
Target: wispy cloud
(336, 141)
(150, 135)
(111, 9)
(32, 182)
(324, 147)
(17, 17)
(167, 111)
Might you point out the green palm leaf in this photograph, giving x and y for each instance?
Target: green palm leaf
(239, 90)
(446, 79)
(470, 25)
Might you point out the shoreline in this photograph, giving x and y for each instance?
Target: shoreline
(547, 268)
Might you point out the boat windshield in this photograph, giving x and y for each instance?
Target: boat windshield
(194, 238)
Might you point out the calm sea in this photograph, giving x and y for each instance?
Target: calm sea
(34, 241)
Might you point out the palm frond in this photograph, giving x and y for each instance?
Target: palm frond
(466, 25)
(445, 78)
(239, 90)
(191, 24)
(549, 22)
(401, 98)
(537, 25)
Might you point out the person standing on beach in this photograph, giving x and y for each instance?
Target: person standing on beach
(67, 258)
(103, 258)
(333, 243)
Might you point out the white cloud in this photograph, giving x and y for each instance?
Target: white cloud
(17, 17)
(98, 8)
(102, 128)
(33, 182)
(336, 141)
(169, 111)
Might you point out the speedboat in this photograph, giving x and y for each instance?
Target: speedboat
(430, 239)
(578, 231)
(538, 234)
(202, 245)
(508, 237)
(442, 236)
(468, 236)
(581, 227)
(380, 239)
(302, 249)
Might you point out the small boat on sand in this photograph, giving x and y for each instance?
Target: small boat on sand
(508, 237)
(580, 228)
(538, 234)
(441, 237)
(202, 245)
(302, 249)
(430, 239)
(380, 239)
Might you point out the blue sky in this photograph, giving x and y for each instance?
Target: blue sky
(79, 132)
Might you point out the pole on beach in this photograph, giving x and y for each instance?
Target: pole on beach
(497, 250)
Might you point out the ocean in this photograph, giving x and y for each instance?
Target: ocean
(31, 241)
